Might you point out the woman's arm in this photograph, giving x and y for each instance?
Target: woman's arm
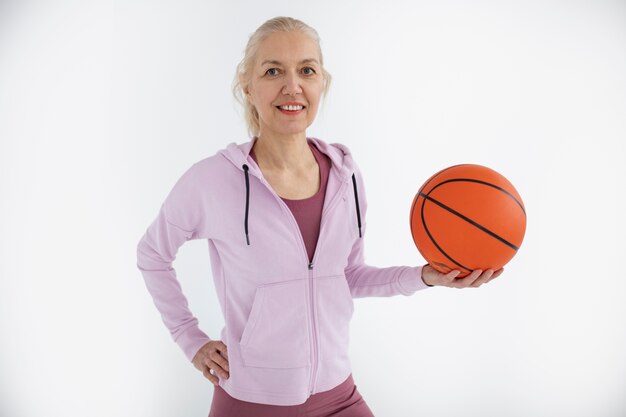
(177, 221)
(369, 281)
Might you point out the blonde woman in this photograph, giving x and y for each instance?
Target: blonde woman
(284, 216)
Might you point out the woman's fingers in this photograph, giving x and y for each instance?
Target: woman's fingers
(207, 374)
(467, 280)
(213, 370)
(450, 277)
(497, 274)
(219, 364)
(474, 279)
(484, 277)
(222, 348)
(212, 361)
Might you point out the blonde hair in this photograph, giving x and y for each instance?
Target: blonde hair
(244, 68)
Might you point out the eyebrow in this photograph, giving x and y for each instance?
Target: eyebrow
(304, 61)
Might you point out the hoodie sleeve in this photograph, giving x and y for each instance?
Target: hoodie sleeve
(369, 281)
(179, 220)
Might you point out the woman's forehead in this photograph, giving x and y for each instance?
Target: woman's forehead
(288, 48)
(302, 62)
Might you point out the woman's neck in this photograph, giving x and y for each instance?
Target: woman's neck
(289, 154)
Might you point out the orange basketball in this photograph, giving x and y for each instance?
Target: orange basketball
(467, 217)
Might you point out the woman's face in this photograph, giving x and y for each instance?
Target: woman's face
(287, 70)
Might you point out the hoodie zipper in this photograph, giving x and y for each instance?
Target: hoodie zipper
(330, 206)
(310, 266)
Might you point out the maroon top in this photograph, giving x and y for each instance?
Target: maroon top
(308, 211)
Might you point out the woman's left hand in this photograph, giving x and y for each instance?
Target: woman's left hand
(432, 277)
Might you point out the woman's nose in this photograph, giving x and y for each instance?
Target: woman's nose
(292, 84)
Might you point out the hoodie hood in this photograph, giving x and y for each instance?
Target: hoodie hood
(340, 155)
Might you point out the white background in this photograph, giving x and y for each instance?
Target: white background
(103, 105)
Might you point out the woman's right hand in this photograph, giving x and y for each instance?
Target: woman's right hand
(212, 360)
(475, 279)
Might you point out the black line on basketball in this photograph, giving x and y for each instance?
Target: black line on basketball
(429, 235)
(432, 239)
(411, 220)
(472, 222)
(480, 182)
(411, 223)
(434, 176)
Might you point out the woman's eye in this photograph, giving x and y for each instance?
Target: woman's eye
(306, 70)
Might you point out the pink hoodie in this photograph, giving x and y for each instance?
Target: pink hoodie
(287, 320)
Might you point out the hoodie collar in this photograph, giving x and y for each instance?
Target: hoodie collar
(239, 154)
(339, 155)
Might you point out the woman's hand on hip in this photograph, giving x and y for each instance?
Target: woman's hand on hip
(212, 361)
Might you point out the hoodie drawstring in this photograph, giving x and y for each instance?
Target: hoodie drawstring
(356, 199)
(245, 168)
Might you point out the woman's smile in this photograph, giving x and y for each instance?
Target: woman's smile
(291, 108)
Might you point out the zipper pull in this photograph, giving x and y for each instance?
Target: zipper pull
(310, 266)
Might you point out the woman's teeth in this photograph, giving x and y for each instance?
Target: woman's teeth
(291, 108)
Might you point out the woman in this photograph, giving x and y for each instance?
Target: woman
(284, 218)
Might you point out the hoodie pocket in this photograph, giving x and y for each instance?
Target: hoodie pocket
(276, 334)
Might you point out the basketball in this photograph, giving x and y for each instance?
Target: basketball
(467, 217)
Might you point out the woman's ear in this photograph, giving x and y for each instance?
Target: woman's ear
(247, 93)
(246, 85)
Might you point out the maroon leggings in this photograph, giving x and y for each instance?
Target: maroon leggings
(342, 401)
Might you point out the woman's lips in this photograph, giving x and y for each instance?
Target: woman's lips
(290, 112)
